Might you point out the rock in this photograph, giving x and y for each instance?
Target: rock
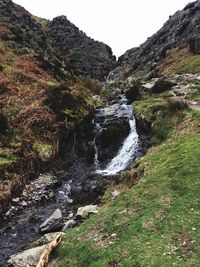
(69, 224)
(87, 57)
(53, 223)
(16, 200)
(162, 85)
(36, 256)
(28, 258)
(24, 204)
(46, 239)
(115, 193)
(159, 85)
(179, 31)
(84, 212)
(133, 93)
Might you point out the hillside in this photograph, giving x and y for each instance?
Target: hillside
(180, 34)
(143, 121)
(38, 71)
(153, 218)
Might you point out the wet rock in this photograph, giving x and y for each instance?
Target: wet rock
(53, 223)
(24, 204)
(84, 212)
(76, 189)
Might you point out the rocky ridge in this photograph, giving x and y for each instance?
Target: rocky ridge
(85, 56)
(181, 30)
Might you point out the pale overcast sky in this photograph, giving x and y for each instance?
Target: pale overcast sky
(122, 24)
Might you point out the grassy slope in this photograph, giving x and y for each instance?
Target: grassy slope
(155, 222)
(180, 60)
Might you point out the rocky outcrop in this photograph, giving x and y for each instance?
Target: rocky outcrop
(59, 45)
(21, 32)
(84, 55)
(182, 29)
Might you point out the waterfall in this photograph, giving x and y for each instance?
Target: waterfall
(117, 109)
(125, 154)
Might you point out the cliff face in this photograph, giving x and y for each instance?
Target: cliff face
(181, 30)
(86, 56)
(59, 45)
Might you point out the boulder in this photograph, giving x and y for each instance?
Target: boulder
(26, 258)
(84, 212)
(53, 223)
(36, 256)
(133, 93)
(159, 85)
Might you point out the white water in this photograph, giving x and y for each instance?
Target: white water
(125, 154)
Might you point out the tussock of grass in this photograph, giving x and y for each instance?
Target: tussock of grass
(162, 114)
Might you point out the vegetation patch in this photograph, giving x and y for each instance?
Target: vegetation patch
(180, 60)
(44, 151)
(162, 114)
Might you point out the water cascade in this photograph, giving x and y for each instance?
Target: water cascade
(117, 109)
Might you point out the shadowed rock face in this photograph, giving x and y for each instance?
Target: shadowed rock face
(86, 56)
(182, 28)
(59, 45)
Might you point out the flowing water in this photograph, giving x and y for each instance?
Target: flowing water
(20, 230)
(129, 147)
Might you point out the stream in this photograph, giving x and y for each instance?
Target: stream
(114, 147)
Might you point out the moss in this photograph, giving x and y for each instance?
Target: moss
(8, 162)
(44, 151)
(7, 158)
(146, 108)
(41, 21)
(52, 84)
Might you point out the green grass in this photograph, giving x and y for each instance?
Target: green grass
(180, 60)
(155, 223)
(162, 114)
